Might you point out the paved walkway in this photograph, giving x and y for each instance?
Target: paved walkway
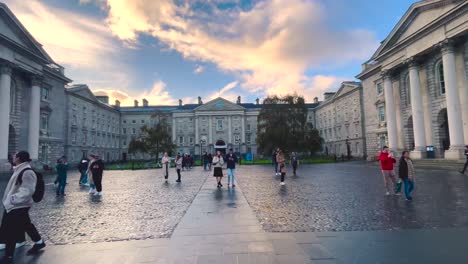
(220, 227)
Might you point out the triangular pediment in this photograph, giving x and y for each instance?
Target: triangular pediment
(220, 104)
(12, 30)
(347, 87)
(418, 16)
(83, 91)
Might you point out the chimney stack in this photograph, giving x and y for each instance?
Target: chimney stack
(238, 100)
(145, 102)
(316, 100)
(257, 101)
(200, 102)
(117, 103)
(180, 102)
(136, 103)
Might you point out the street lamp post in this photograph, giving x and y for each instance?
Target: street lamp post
(201, 149)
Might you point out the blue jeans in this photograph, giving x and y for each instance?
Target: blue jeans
(62, 181)
(231, 175)
(409, 187)
(84, 177)
(276, 167)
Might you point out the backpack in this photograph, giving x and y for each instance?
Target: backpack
(39, 191)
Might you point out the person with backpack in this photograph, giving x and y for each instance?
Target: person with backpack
(96, 168)
(62, 168)
(23, 189)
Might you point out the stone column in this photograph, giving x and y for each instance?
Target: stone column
(174, 139)
(5, 83)
(197, 139)
(229, 130)
(34, 118)
(418, 113)
(243, 130)
(455, 121)
(390, 115)
(210, 130)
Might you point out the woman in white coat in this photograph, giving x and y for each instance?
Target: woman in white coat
(165, 161)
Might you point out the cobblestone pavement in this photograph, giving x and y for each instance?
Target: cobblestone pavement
(350, 197)
(134, 205)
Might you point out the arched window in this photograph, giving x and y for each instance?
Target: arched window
(440, 80)
(408, 89)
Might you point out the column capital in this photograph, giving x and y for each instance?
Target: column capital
(412, 62)
(386, 74)
(36, 80)
(447, 46)
(5, 68)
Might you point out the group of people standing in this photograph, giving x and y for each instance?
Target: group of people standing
(91, 172)
(406, 173)
(279, 163)
(218, 162)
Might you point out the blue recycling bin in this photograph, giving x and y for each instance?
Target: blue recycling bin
(430, 152)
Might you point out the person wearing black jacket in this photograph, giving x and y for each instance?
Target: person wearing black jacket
(406, 173)
(466, 163)
(97, 169)
(231, 160)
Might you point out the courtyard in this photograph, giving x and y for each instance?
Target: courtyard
(328, 213)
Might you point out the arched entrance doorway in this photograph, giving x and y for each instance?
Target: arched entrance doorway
(443, 127)
(221, 146)
(11, 141)
(409, 134)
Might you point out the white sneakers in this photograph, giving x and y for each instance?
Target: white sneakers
(92, 191)
(387, 193)
(98, 194)
(282, 183)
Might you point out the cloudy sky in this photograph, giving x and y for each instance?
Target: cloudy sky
(165, 50)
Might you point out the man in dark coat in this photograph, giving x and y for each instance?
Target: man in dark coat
(466, 163)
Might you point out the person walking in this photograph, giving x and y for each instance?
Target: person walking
(89, 174)
(82, 168)
(210, 161)
(178, 163)
(294, 162)
(281, 160)
(386, 162)
(218, 162)
(62, 168)
(165, 161)
(406, 173)
(466, 162)
(205, 161)
(97, 170)
(274, 161)
(231, 160)
(17, 200)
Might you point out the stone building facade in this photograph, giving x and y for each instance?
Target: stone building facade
(92, 125)
(415, 84)
(339, 120)
(29, 77)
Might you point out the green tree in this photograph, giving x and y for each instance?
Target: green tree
(282, 123)
(154, 139)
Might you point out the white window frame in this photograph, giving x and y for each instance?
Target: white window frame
(45, 94)
(45, 117)
(219, 125)
(381, 114)
(440, 78)
(379, 88)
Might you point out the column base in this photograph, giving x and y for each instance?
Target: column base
(5, 166)
(455, 153)
(418, 154)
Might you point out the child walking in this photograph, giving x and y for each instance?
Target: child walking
(62, 168)
(406, 173)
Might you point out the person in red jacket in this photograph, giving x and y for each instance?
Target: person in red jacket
(386, 161)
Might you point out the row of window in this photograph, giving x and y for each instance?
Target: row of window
(339, 133)
(96, 140)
